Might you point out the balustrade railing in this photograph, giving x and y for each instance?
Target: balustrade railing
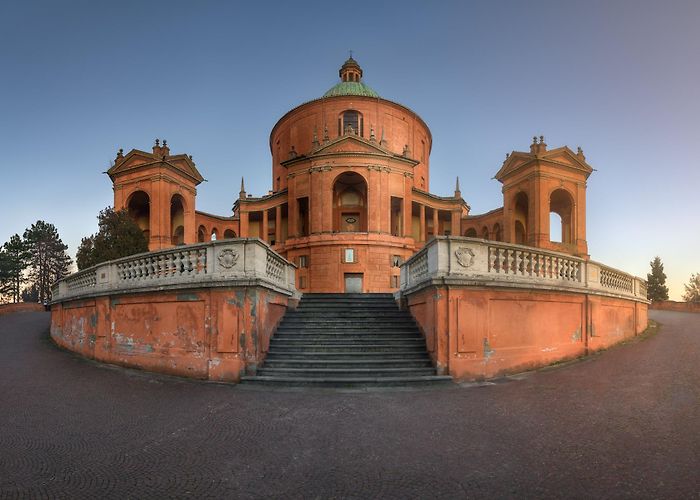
(216, 263)
(475, 261)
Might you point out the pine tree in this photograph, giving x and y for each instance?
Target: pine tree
(656, 281)
(692, 289)
(118, 236)
(14, 259)
(48, 259)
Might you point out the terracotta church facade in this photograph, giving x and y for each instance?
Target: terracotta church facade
(350, 198)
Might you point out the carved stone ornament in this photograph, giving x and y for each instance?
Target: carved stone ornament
(228, 258)
(465, 256)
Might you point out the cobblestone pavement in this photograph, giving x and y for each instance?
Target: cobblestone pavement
(622, 424)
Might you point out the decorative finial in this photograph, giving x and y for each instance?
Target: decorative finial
(190, 157)
(292, 153)
(165, 143)
(457, 186)
(351, 54)
(534, 139)
(507, 155)
(372, 138)
(579, 150)
(325, 133)
(157, 143)
(406, 152)
(242, 193)
(541, 139)
(120, 153)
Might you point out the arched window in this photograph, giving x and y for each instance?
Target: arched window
(470, 233)
(349, 203)
(139, 206)
(177, 220)
(351, 122)
(229, 233)
(214, 234)
(485, 233)
(201, 234)
(521, 216)
(560, 216)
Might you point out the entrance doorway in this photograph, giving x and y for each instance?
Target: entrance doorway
(353, 282)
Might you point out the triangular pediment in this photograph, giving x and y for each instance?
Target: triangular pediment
(349, 144)
(562, 156)
(136, 160)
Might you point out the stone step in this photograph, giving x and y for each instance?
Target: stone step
(347, 363)
(346, 372)
(347, 340)
(274, 354)
(383, 348)
(362, 338)
(346, 330)
(349, 382)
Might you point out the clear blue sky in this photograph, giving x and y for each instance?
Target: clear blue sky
(80, 79)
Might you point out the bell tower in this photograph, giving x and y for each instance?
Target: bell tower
(544, 185)
(159, 190)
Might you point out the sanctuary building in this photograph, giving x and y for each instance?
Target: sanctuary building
(350, 198)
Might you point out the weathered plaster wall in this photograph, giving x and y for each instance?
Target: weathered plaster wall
(477, 332)
(216, 334)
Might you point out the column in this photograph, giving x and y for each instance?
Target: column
(278, 224)
(422, 222)
(244, 224)
(265, 226)
(456, 228)
(436, 222)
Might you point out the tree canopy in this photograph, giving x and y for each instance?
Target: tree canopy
(692, 289)
(14, 259)
(118, 236)
(48, 260)
(656, 281)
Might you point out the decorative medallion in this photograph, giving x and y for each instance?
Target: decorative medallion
(228, 258)
(350, 220)
(465, 256)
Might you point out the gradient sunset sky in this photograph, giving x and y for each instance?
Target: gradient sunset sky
(621, 79)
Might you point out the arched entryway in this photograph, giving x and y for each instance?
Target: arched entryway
(139, 206)
(497, 234)
(521, 218)
(470, 233)
(561, 210)
(201, 234)
(350, 203)
(177, 220)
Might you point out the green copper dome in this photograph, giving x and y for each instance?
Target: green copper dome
(350, 82)
(351, 88)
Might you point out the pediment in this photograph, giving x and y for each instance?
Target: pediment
(562, 156)
(351, 144)
(140, 160)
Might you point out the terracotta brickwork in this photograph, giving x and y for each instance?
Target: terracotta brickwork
(351, 173)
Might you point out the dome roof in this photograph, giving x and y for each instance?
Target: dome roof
(351, 88)
(351, 82)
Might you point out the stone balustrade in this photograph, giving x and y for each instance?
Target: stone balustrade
(472, 261)
(239, 262)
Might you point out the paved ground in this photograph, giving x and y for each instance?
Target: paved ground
(623, 424)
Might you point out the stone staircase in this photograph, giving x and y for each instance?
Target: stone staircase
(347, 340)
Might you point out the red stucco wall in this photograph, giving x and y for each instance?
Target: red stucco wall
(216, 334)
(475, 333)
